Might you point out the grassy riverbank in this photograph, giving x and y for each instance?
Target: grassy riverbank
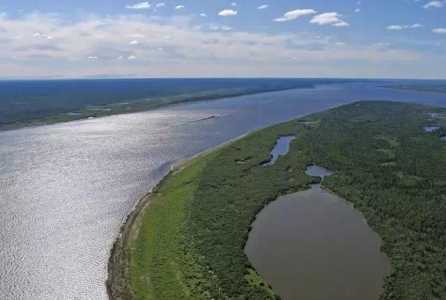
(188, 243)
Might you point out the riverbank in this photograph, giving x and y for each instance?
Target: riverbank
(189, 243)
(118, 279)
(173, 224)
(118, 269)
(65, 101)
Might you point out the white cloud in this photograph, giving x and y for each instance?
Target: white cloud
(434, 4)
(234, 4)
(402, 27)
(216, 27)
(42, 36)
(295, 14)
(137, 35)
(203, 15)
(228, 13)
(140, 5)
(134, 43)
(330, 18)
(187, 49)
(395, 27)
(263, 6)
(178, 7)
(357, 10)
(341, 24)
(226, 28)
(160, 4)
(439, 30)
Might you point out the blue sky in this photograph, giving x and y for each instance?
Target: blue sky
(196, 38)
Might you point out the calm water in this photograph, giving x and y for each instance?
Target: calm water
(317, 171)
(66, 188)
(431, 128)
(313, 245)
(280, 149)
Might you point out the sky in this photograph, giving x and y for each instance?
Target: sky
(217, 38)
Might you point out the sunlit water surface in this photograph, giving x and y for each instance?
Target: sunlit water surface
(65, 189)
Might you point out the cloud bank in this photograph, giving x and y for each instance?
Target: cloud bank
(46, 45)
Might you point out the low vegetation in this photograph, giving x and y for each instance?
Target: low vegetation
(188, 243)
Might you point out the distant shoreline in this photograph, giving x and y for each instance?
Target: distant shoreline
(94, 112)
(417, 88)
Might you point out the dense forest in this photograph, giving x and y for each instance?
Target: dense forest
(394, 171)
(188, 242)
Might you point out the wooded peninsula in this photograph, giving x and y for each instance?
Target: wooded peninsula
(186, 238)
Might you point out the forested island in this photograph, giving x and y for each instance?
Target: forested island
(186, 239)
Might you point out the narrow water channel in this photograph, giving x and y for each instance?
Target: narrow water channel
(314, 245)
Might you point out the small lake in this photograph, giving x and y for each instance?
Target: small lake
(314, 245)
(280, 149)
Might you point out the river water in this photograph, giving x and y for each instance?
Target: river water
(66, 188)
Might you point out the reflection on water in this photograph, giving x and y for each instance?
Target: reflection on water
(313, 245)
(66, 188)
(316, 171)
(281, 148)
(431, 128)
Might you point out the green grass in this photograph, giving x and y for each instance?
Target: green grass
(189, 242)
(157, 260)
(190, 245)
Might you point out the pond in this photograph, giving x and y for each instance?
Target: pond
(314, 245)
(281, 148)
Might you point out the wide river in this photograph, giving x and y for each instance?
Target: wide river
(65, 189)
